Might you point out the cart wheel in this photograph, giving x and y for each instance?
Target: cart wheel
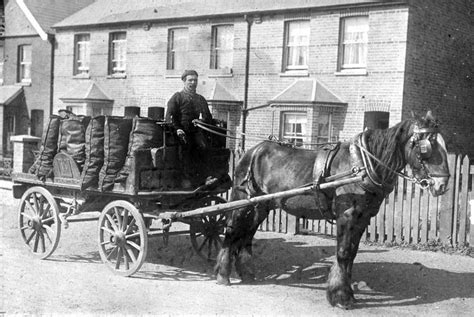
(39, 222)
(123, 239)
(207, 232)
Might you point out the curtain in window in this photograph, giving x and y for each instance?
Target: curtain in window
(297, 44)
(82, 54)
(119, 52)
(177, 48)
(355, 41)
(294, 128)
(25, 63)
(223, 45)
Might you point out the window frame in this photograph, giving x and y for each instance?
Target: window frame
(78, 42)
(218, 51)
(122, 58)
(2, 59)
(171, 54)
(303, 136)
(22, 64)
(344, 43)
(287, 46)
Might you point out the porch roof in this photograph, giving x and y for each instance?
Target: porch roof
(217, 93)
(9, 93)
(86, 91)
(308, 91)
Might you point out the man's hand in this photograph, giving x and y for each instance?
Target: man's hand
(181, 135)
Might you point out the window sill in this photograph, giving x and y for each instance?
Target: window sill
(352, 72)
(25, 83)
(222, 72)
(220, 75)
(295, 73)
(82, 76)
(117, 76)
(172, 75)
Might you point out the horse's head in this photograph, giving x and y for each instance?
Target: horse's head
(427, 155)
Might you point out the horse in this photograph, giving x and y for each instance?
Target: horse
(377, 156)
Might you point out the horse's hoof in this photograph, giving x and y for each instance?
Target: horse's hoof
(341, 299)
(223, 280)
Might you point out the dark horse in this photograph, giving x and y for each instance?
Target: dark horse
(378, 156)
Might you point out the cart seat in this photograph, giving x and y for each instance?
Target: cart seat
(64, 166)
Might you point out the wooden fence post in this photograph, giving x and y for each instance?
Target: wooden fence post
(446, 211)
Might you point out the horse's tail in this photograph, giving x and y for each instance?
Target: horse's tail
(244, 181)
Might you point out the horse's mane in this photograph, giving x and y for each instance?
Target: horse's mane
(388, 145)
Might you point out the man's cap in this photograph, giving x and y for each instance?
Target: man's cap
(188, 72)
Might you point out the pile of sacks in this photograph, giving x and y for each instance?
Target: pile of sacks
(103, 147)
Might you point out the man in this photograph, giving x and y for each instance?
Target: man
(184, 107)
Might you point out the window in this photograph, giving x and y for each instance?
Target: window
(353, 42)
(177, 48)
(117, 53)
(37, 122)
(10, 129)
(294, 127)
(222, 47)
(2, 58)
(376, 119)
(81, 54)
(24, 63)
(296, 45)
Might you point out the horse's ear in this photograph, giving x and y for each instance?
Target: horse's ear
(429, 116)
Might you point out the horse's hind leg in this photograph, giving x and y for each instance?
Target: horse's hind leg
(352, 220)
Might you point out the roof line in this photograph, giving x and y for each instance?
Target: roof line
(225, 15)
(12, 97)
(32, 19)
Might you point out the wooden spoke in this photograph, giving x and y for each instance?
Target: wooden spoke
(111, 252)
(125, 220)
(133, 244)
(117, 215)
(112, 222)
(31, 236)
(130, 226)
(119, 257)
(207, 232)
(133, 235)
(130, 253)
(108, 230)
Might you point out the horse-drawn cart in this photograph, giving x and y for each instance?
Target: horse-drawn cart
(145, 204)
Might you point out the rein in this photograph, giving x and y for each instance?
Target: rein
(424, 183)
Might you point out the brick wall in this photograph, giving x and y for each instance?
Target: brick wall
(148, 83)
(440, 67)
(37, 94)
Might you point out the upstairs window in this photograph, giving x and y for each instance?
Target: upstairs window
(296, 46)
(353, 42)
(81, 54)
(24, 64)
(177, 48)
(293, 128)
(222, 47)
(117, 53)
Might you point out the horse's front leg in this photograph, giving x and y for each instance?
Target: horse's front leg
(351, 224)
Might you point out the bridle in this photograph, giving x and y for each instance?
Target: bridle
(425, 151)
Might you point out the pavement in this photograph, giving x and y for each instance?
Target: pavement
(5, 184)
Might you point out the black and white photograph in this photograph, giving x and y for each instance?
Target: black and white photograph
(237, 158)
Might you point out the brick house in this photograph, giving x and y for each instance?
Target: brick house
(27, 62)
(304, 71)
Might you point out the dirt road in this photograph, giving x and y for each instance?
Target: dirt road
(292, 274)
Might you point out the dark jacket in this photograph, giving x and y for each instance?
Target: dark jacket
(184, 107)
